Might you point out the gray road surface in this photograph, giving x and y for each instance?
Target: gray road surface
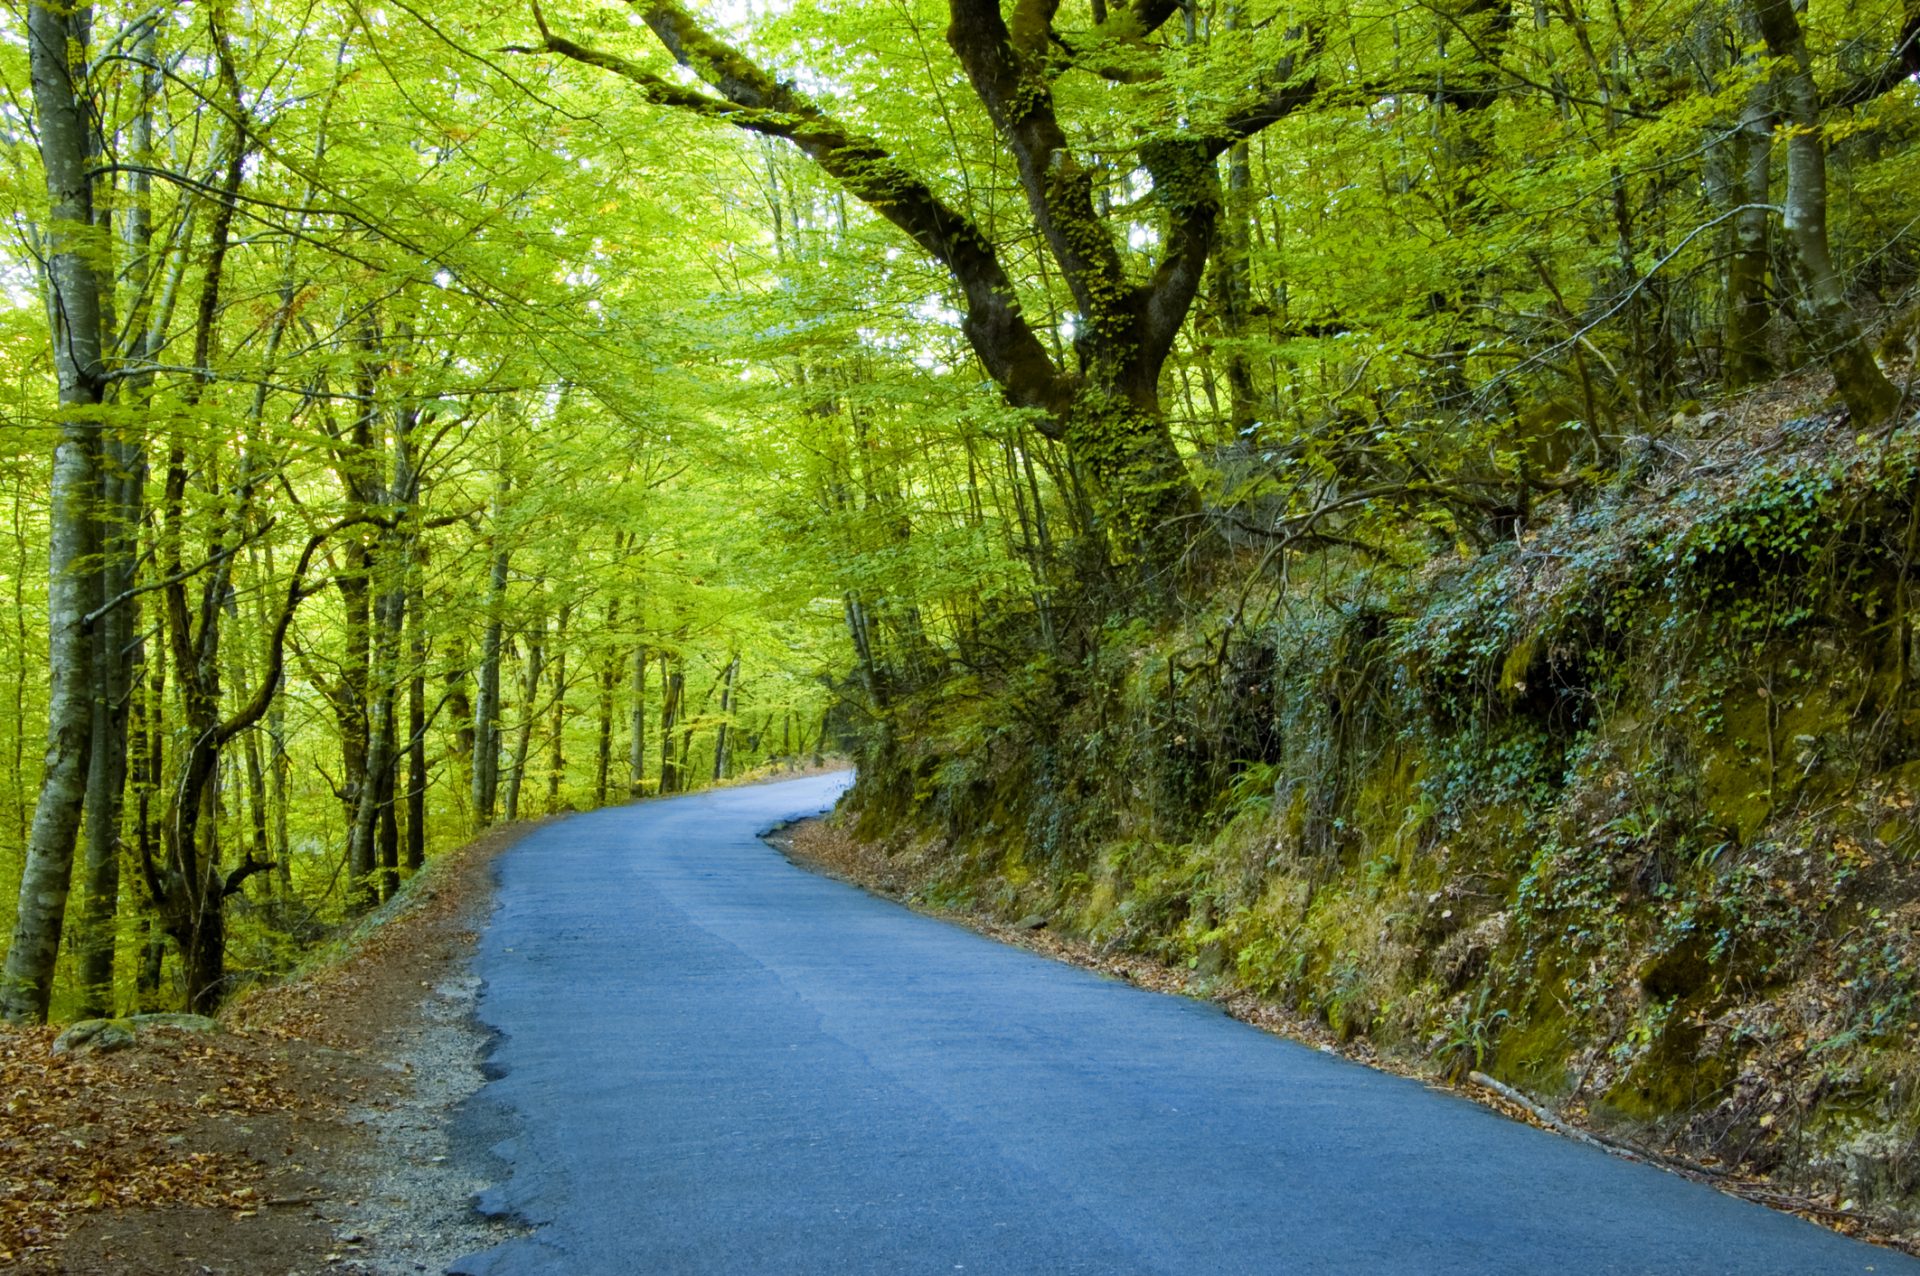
(711, 1061)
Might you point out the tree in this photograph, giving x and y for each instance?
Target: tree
(1822, 298)
(1107, 406)
(57, 48)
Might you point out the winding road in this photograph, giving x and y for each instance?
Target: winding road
(711, 1061)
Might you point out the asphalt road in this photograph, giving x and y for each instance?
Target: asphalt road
(711, 1061)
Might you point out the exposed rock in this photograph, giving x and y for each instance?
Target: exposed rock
(1032, 921)
(99, 1036)
(1465, 955)
(95, 1036)
(1883, 1163)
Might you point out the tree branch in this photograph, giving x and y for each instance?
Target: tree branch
(1290, 92)
(256, 708)
(753, 100)
(1009, 70)
(1902, 64)
(219, 555)
(242, 871)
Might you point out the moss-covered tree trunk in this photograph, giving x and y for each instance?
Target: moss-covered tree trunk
(1826, 313)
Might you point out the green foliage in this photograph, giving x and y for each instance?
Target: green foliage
(1470, 1035)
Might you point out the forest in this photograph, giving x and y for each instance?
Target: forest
(1410, 510)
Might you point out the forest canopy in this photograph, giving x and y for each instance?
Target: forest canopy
(426, 417)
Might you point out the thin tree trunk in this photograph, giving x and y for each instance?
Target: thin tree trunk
(637, 747)
(389, 807)
(257, 799)
(117, 645)
(609, 680)
(279, 764)
(673, 687)
(726, 709)
(1234, 291)
(393, 567)
(557, 735)
(486, 710)
(529, 690)
(416, 849)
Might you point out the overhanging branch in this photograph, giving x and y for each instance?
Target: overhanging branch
(753, 100)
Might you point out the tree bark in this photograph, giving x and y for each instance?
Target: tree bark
(673, 684)
(1748, 311)
(557, 730)
(609, 681)
(1822, 297)
(523, 737)
(486, 709)
(416, 848)
(55, 36)
(726, 710)
(637, 746)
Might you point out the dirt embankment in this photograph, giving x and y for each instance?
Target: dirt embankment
(308, 1135)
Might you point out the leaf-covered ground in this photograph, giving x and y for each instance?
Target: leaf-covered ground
(82, 1134)
(236, 1151)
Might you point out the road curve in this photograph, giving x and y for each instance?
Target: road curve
(711, 1061)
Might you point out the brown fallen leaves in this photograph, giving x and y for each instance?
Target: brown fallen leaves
(81, 1133)
(226, 1151)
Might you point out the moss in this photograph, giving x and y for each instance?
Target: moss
(1533, 1053)
(1517, 668)
(1536, 819)
(1663, 1085)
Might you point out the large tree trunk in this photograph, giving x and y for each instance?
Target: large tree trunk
(1144, 502)
(1822, 296)
(73, 280)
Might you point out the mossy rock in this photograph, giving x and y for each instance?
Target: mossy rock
(102, 1036)
(96, 1036)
